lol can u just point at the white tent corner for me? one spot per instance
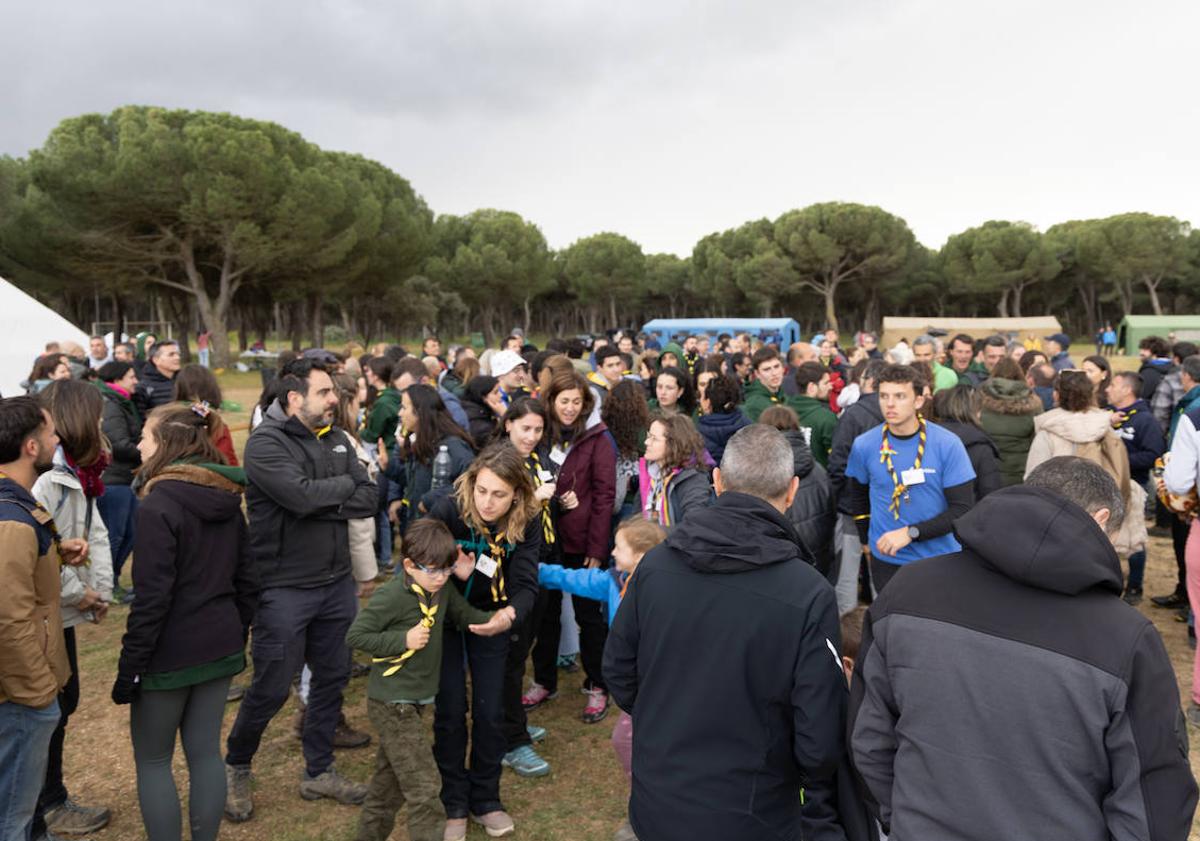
(26, 326)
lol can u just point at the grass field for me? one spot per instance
(583, 799)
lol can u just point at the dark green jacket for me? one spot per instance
(381, 630)
(816, 416)
(385, 414)
(1009, 407)
(758, 400)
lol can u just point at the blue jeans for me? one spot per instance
(294, 626)
(118, 508)
(1137, 570)
(24, 745)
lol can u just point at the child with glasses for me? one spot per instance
(401, 628)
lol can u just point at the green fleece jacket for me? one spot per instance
(759, 399)
(385, 414)
(816, 417)
(381, 630)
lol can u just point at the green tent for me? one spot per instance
(1134, 328)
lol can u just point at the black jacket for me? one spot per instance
(195, 590)
(415, 477)
(858, 418)
(123, 427)
(154, 389)
(813, 512)
(300, 492)
(481, 420)
(724, 652)
(985, 458)
(519, 564)
(1143, 439)
(1034, 702)
(717, 429)
(1153, 371)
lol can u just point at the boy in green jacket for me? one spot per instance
(401, 628)
(811, 404)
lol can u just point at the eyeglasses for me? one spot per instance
(436, 572)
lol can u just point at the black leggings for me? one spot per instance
(195, 713)
(593, 633)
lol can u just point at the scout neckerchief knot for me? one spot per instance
(1119, 417)
(547, 520)
(498, 550)
(885, 456)
(428, 616)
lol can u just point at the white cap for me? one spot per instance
(505, 361)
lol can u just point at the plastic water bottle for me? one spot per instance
(441, 468)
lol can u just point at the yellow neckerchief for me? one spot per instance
(429, 610)
(50, 524)
(323, 431)
(885, 456)
(1120, 416)
(547, 520)
(499, 551)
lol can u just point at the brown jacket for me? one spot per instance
(33, 659)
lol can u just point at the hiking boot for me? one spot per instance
(1133, 595)
(536, 695)
(333, 785)
(536, 734)
(496, 824)
(597, 706)
(525, 762)
(235, 693)
(1193, 714)
(239, 798)
(346, 736)
(69, 818)
(625, 832)
(568, 663)
(1174, 600)
(456, 830)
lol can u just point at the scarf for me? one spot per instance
(89, 477)
(652, 484)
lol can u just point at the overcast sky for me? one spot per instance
(666, 121)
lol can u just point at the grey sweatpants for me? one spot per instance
(195, 713)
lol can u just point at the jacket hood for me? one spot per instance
(292, 425)
(1157, 365)
(757, 387)
(801, 453)
(203, 489)
(675, 348)
(738, 533)
(1041, 539)
(722, 421)
(1076, 427)
(1009, 397)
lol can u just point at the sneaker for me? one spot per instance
(346, 736)
(333, 785)
(239, 799)
(1193, 714)
(536, 734)
(456, 830)
(1133, 595)
(496, 824)
(1174, 600)
(525, 762)
(568, 663)
(536, 695)
(625, 832)
(597, 706)
(235, 693)
(69, 818)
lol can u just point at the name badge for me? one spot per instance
(486, 565)
(545, 476)
(915, 476)
(558, 456)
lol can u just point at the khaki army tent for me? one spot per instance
(896, 328)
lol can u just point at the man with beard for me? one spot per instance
(304, 482)
(33, 656)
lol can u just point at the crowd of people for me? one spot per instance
(721, 512)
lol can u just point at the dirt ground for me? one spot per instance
(583, 799)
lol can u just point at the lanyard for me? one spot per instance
(499, 551)
(428, 617)
(547, 520)
(885, 456)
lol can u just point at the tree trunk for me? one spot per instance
(1087, 294)
(1016, 300)
(528, 316)
(118, 319)
(316, 323)
(612, 310)
(1151, 284)
(831, 320)
(1002, 306)
(297, 325)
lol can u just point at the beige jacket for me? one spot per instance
(363, 564)
(1063, 433)
(33, 657)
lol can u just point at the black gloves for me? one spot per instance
(124, 689)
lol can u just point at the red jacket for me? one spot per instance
(591, 472)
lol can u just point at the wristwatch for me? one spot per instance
(914, 533)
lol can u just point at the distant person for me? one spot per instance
(98, 352)
(1057, 347)
(156, 379)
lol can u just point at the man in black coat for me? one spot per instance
(304, 482)
(725, 652)
(1006, 691)
(860, 416)
(156, 380)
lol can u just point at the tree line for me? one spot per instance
(242, 225)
